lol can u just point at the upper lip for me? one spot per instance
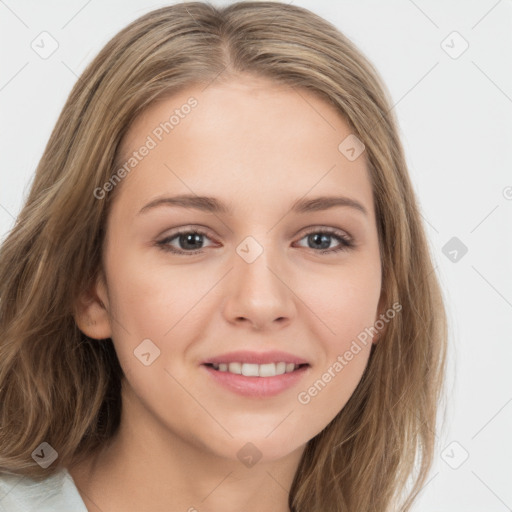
(242, 356)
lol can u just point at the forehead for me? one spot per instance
(242, 136)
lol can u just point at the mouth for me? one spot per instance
(256, 381)
(257, 370)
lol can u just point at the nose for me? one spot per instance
(259, 293)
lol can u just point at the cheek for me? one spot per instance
(343, 303)
(344, 310)
(163, 304)
(149, 300)
(330, 388)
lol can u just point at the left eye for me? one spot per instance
(321, 237)
(188, 241)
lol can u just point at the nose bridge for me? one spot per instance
(257, 264)
(258, 289)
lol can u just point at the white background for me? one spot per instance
(455, 117)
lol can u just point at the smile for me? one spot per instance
(256, 370)
(256, 380)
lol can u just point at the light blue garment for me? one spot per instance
(57, 493)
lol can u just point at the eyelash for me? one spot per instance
(345, 241)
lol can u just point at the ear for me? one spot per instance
(91, 312)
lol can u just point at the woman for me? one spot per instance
(294, 360)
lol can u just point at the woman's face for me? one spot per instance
(256, 279)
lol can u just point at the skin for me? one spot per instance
(257, 146)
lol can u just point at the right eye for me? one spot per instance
(186, 238)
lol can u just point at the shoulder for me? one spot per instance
(57, 493)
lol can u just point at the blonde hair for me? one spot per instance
(59, 386)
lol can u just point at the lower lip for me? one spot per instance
(261, 387)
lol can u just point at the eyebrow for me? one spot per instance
(213, 205)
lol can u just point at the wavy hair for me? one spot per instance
(59, 386)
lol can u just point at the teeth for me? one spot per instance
(267, 370)
(256, 370)
(281, 368)
(235, 368)
(250, 370)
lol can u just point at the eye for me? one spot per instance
(187, 239)
(321, 239)
(190, 241)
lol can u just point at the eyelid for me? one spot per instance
(306, 230)
(326, 229)
(188, 228)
